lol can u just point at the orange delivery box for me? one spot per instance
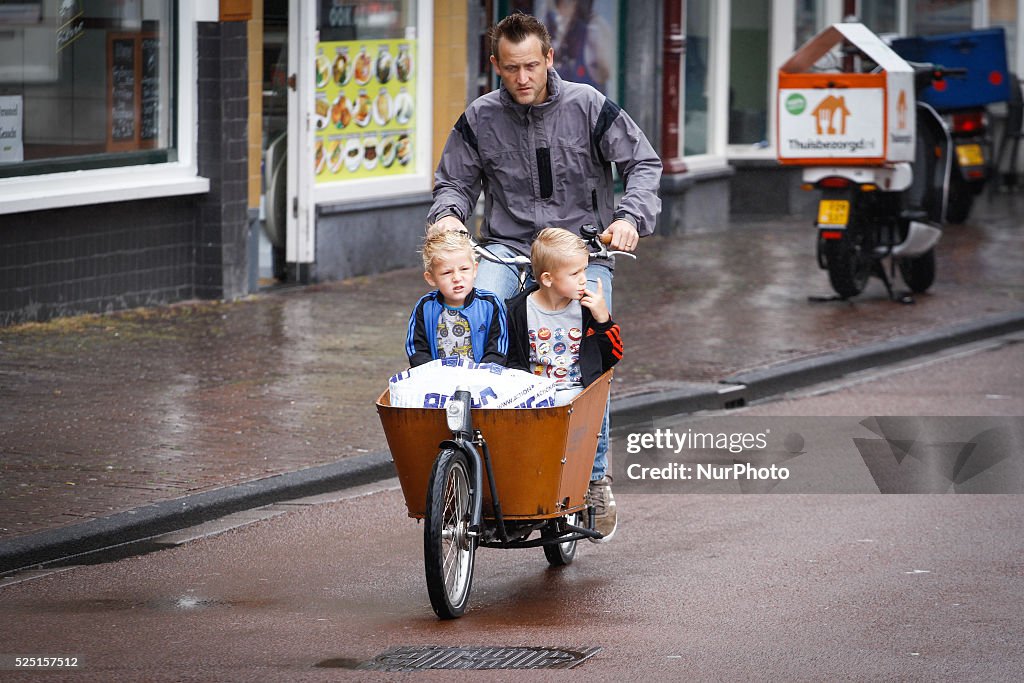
(837, 118)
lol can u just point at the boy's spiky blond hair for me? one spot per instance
(443, 241)
(552, 248)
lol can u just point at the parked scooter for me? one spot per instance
(970, 132)
(870, 217)
(962, 102)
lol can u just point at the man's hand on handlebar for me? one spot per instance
(447, 223)
(624, 236)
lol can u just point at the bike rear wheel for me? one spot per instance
(448, 548)
(561, 554)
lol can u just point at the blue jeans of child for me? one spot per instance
(504, 281)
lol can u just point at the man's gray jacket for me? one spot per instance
(547, 165)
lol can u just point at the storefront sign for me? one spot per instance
(337, 14)
(347, 19)
(365, 109)
(11, 147)
(71, 24)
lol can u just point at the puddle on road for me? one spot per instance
(338, 663)
(183, 603)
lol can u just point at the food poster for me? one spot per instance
(365, 109)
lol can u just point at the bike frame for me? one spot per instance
(471, 442)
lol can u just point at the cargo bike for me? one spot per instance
(497, 478)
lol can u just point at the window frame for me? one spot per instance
(131, 182)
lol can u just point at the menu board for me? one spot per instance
(150, 82)
(365, 109)
(133, 91)
(122, 91)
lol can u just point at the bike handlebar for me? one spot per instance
(598, 239)
(590, 234)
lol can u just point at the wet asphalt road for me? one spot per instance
(107, 414)
(694, 587)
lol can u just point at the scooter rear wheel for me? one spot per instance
(848, 267)
(961, 198)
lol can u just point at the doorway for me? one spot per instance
(274, 125)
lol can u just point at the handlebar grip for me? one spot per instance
(590, 232)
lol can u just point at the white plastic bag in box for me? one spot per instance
(431, 385)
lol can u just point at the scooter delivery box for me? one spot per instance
(982, 53)
(834, 118)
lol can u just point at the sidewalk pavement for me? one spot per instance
(123, 426)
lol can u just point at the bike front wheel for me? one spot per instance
(448, 548)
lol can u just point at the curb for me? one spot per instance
(151, 520)
(742, 388)
(736, 390)
(776, 380)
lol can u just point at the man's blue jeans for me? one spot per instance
(504, 281)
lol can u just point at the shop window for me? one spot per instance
(85, 84)
(930, 17)
(749, 76)
(367, 103)
(809, 20)
(881, 16)
(697, 71)
(1003, 13)
(583, 36)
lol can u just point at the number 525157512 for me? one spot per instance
(39, 662)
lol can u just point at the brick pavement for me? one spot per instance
(103, 414)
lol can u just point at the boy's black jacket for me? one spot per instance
(600, 348)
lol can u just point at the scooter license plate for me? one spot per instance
(833, 212)
(970, 155)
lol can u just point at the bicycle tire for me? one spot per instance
(448, 549)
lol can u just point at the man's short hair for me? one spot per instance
(552, 248)
(445, 241)
(517, 27)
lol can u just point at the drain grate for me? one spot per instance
(418, 658)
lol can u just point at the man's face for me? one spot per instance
(523, 68)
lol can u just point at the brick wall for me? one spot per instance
(94, 259)
(223, 153)
(107, 257)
